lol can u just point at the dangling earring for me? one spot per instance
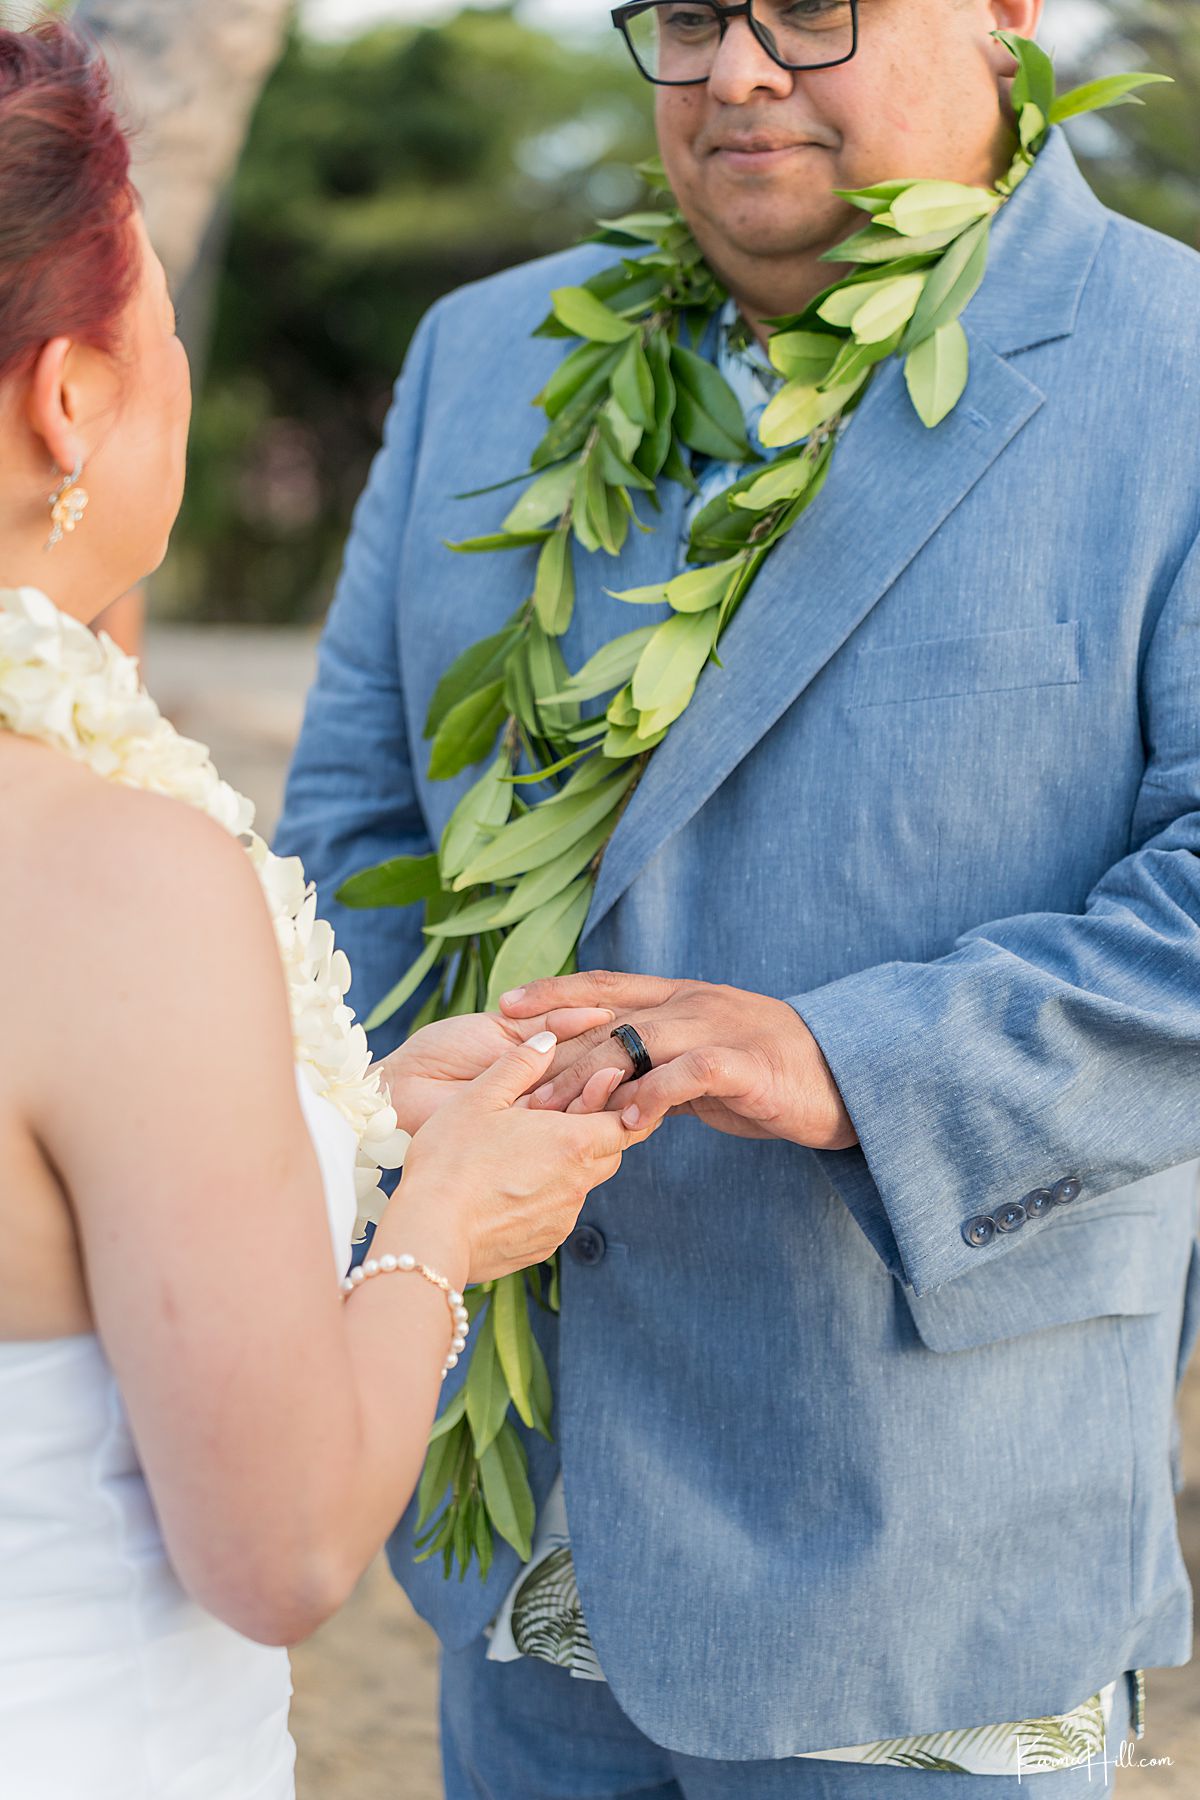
(67, 504)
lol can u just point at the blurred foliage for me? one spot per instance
(1145, 160)
(378, 175)
(381, 173)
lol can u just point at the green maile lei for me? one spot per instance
(508, 890)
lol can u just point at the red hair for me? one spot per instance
(68, 260)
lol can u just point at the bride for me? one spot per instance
(203, 1440)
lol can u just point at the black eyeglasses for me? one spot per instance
(674, 42)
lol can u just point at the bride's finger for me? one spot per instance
(598, 1090)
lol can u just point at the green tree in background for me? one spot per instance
(377, 176)
(382, 173)
(1148, 157)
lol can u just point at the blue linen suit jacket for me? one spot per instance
(834, 1473)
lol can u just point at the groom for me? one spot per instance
(865, 1374)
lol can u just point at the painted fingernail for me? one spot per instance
(542, 1040)
(542, 1094)
(512, 996)
(612, 1083)
(630, 1116)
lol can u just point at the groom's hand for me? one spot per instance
(438, 1062)
(742, 1062)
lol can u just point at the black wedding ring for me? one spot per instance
(630, 1040)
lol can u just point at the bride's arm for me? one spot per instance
(281, 1431)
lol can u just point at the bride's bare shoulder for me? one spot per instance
(93, 871)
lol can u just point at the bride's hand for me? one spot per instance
(437, 1061)
(493, 1187)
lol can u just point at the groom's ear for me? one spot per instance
(1020, 18)
(71, 388)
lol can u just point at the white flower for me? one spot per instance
(61, 684)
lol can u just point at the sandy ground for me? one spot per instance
(365, 1715)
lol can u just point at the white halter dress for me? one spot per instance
(114, 1685)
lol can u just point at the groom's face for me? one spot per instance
(755, 153)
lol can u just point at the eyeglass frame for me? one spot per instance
(621, 15)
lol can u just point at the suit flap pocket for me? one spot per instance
(1081, 1267)
(1035, 656)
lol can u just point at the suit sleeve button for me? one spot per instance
(1038, 1203)
(979, 1231)
(1068, 1189)
(1011, 1217)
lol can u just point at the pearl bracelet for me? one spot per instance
(405, 1265)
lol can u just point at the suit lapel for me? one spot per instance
(815, 588)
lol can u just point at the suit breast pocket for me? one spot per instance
(990, 662)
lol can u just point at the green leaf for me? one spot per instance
(889, 308)
(692, 592)
(479, 664)
(639, 227)
(447, 1420)
(593, 521)
(611, 666)
(797, 411)
(465, 996)
(707, 415)
(784, 480)
(544, 499)
(936, 373)
(1031, 125)
(841, 303)
(541, 1394)
(531, 777)
(586, 363)
(513, 1335)
(497, 540)
(804, 356)
(484, 1548)
(480, 813)
(440, 1460)
(882, 244)
(486, 1388)
(400, 882)
(554, 585)
(405, 988)
(633, 385)
(673, 659)
(675, 467)
(548, 673)
(538, 946)
(1111, 90)
(506, 1490)
(655, 446)
(926, 206)
(623, 743)
(586, 317)
(467, 732)
(541, 884)
(619, 440)
(1035, 80)
(480, 915)
(571, 426)
(872, 199)
(541, 835)
(951, 285)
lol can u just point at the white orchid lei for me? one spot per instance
(67, 687)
